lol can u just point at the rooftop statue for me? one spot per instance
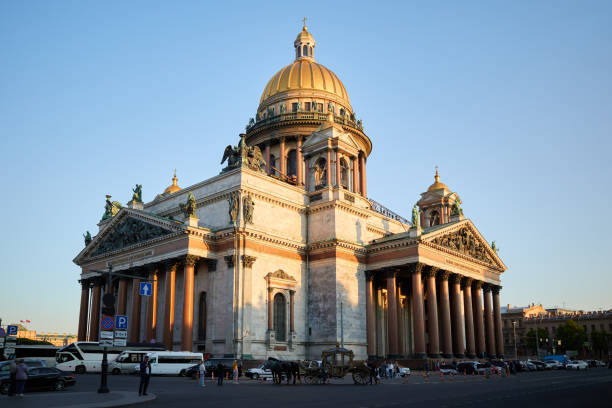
(189, 208)
(87, 237)
(137, 196)
(243, 155)
(110, 208)
(456, 209)
(494, 247)
(416, 220)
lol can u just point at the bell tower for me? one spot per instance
(304, 44)
(438, 204)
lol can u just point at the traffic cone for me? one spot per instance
(465, 376)
(212, 375)
(426, 377)
(451, 377)
(441, 377)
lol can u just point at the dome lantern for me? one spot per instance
(304, 44)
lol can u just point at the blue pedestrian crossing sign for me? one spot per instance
(146, 288)
(121, 322)
(12, 330)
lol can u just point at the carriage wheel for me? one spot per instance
(309, 379)
(360, 378)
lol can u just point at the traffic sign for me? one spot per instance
(146, 288)
(2, 332)
(8, 351)
(105, 343)
(121, 322)
(1, 342)
(108, 323)
(119, 342)
(106, 334)
(12, 330)
(120, 334)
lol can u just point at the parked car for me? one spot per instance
(540, 365)
(595, 363)
(42, 378)
(553, 364)
(447, 369)
(467, 367)
(577, 365)
(228, 363)
(404, 371)
(5, 366)
(259, 372)
(501, 365)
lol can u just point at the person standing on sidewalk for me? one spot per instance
(13, 371)
(235, 372)
(202, 373)
(220, 372)
(145, 376)
(21, 375)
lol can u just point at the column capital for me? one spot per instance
(369, 275)
(291, 292)
(248, 260)
(466, 282)
(477, 284)
(443, 275)
(486, 287)
(390, 273)
(171, 263)
(456, 278)
(495, 289)
(191, 260)
(417, 267)
(270, 289)
(431, 271)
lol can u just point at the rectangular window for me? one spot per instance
(319, 107)
(307, 106)
(294, 106)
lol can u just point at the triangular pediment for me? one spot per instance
(128, 228)
(462, 238)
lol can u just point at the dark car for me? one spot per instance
(540, 365)
(467, 367)
(228, 364)
(5, 366)
(42, 378)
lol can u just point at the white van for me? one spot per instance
(124, 363)
(171, 362)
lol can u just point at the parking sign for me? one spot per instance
(12, 330)
(121, 322)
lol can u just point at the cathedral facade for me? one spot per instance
(283, 254)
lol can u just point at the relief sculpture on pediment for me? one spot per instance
(464, 241)
(129, 232)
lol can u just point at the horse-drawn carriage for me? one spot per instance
(336, 362)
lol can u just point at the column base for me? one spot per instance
(433, 355)
(470, 355)
(459, 355)
(491, 356)
(372, 357)
(500, 356)
(447, 355)
(420, 355)
(394, 356)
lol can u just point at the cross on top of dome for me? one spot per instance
(304, 44)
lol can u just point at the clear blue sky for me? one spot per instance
(513, 100)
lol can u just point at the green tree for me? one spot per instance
(530, 339)
(572, 336)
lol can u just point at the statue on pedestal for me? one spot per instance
(87, 237)
(416, 219)
(189, 208)
(137, 196)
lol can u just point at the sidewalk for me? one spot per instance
(76, 399)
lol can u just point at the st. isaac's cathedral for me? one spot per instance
(283, 254)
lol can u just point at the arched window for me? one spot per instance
(280, 317)
(202, 317)
(310, 52)
(292, 163)
(305, 51)
(344, 173)
(434, 219)
(320, 172)
(299, 52)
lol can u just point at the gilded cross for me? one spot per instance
(304, 20)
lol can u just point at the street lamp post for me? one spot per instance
(514, 323)
(103, 374)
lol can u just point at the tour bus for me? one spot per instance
(38, 352)
(124, 363)
(83, 356)
(171, 362)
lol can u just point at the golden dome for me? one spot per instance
(305, 36)
(304, 74)
(437, 185)
(174, 187)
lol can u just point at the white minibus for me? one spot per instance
(171, 362)
(84, 356)
(124, 363)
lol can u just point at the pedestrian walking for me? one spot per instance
(390, 370)
(202, 369)
(235, 372)
(220, 370)
(145, 376)
(13, 372)
(21, 375)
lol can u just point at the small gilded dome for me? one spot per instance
(305, 36)
(174, 187)
(437, 185)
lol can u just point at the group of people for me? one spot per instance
(18, 377)
(382, 369)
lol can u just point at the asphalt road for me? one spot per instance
(539, 389)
